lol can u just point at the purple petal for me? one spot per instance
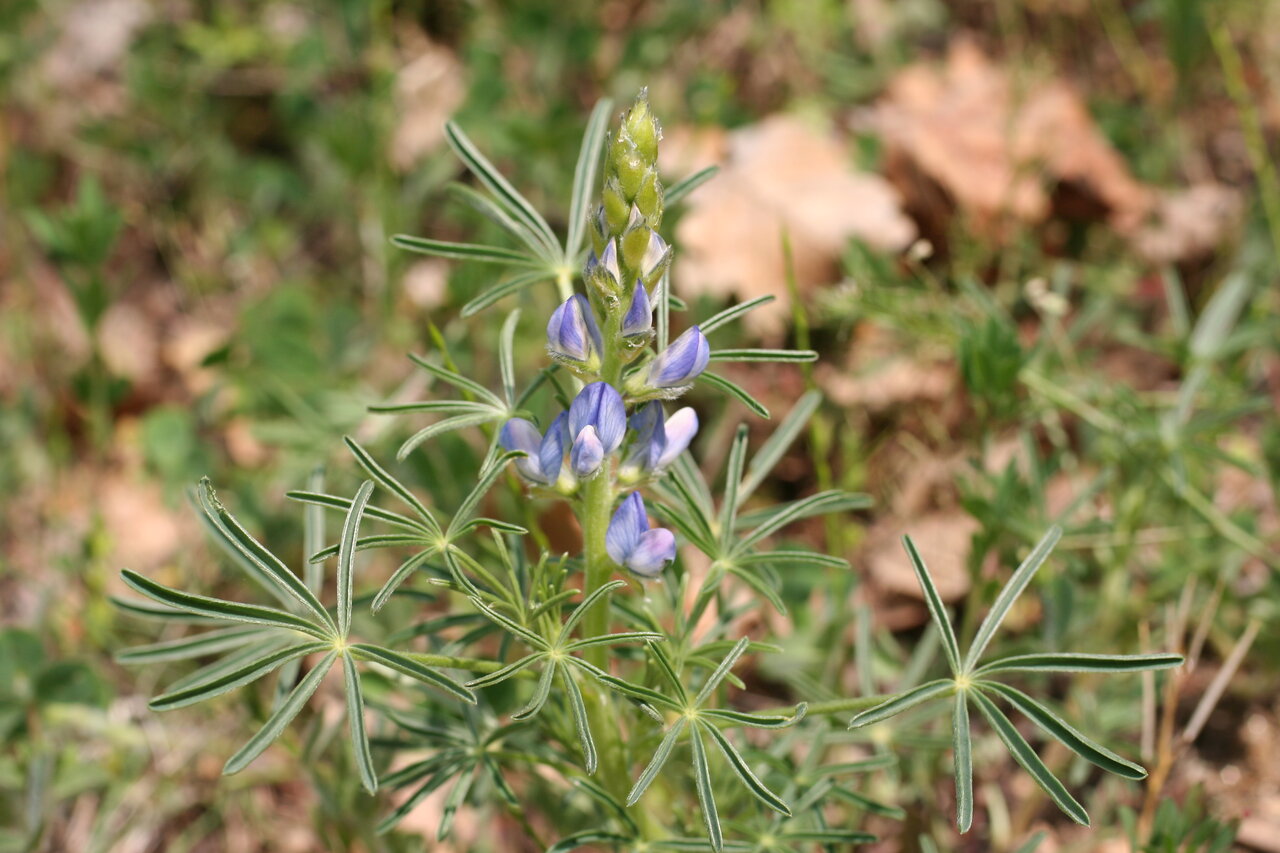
(653, 254)
(572, 330)
(639, 318)
(587, 452)
(519, 434)
(680, 429)
(551, 451)
(656, 548)
(609, 260)
(601, 406)
(628, 524)
(649, 436)
(684, 359)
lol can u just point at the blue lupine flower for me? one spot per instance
(545, 453)
(639, 317)
(657, 440)
(587, 452)
(633, 544)
(681, 362)
(656, 256)
(603, 271)
(572, 332)
(597, 422)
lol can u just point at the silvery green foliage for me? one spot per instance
(597, 668)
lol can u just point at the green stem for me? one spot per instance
(833, 706)
(451, 662)
(564, 283)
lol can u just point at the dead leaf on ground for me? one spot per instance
(994, 149)
(944, 540)
(780, 176)
(1003, 148)
(1189, 223)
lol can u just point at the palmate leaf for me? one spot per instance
(972, 683)
(683, 187)
(701, 721)
(736, 391)
(269, 638)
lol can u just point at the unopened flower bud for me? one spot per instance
(573, 334)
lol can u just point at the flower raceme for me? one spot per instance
(632, 544)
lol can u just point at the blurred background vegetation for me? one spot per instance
(1035, 243)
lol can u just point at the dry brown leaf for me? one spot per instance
(1189, 223)
(943, 540)
(428, 89)
(996, 150)
(781, 175)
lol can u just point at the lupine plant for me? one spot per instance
(591, 695)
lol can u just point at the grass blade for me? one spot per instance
(902, 701)
(464, 251)
(391, 484)
(494, 213)
(581, 722)
(773, 355)
(683, 187)
(706, 794)
(660, 756)
(441, 427)
(732, 481)
(509, 198)
(467, 509)
(776, 445)
(401, 574)
(347, 555)
(1076, 662)
(583, 606)
(225, 682)
(733, 312)
(284, 715)
(267, 564)
(1062, 731)
(191, 646)
(501, 675)
(1017, 583)
(313, 533)
(541, 691)
(336, 502)
(937, 609)
(584, 176)
(963, 743)
(503, 289)
(736, 391)
(355, 717)
(217, 608)
(1026, 756)
(713, 680)
(457, 380)
(739, 764)
(506, 357)
(410, 667)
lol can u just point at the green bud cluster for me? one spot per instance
(632, 203)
